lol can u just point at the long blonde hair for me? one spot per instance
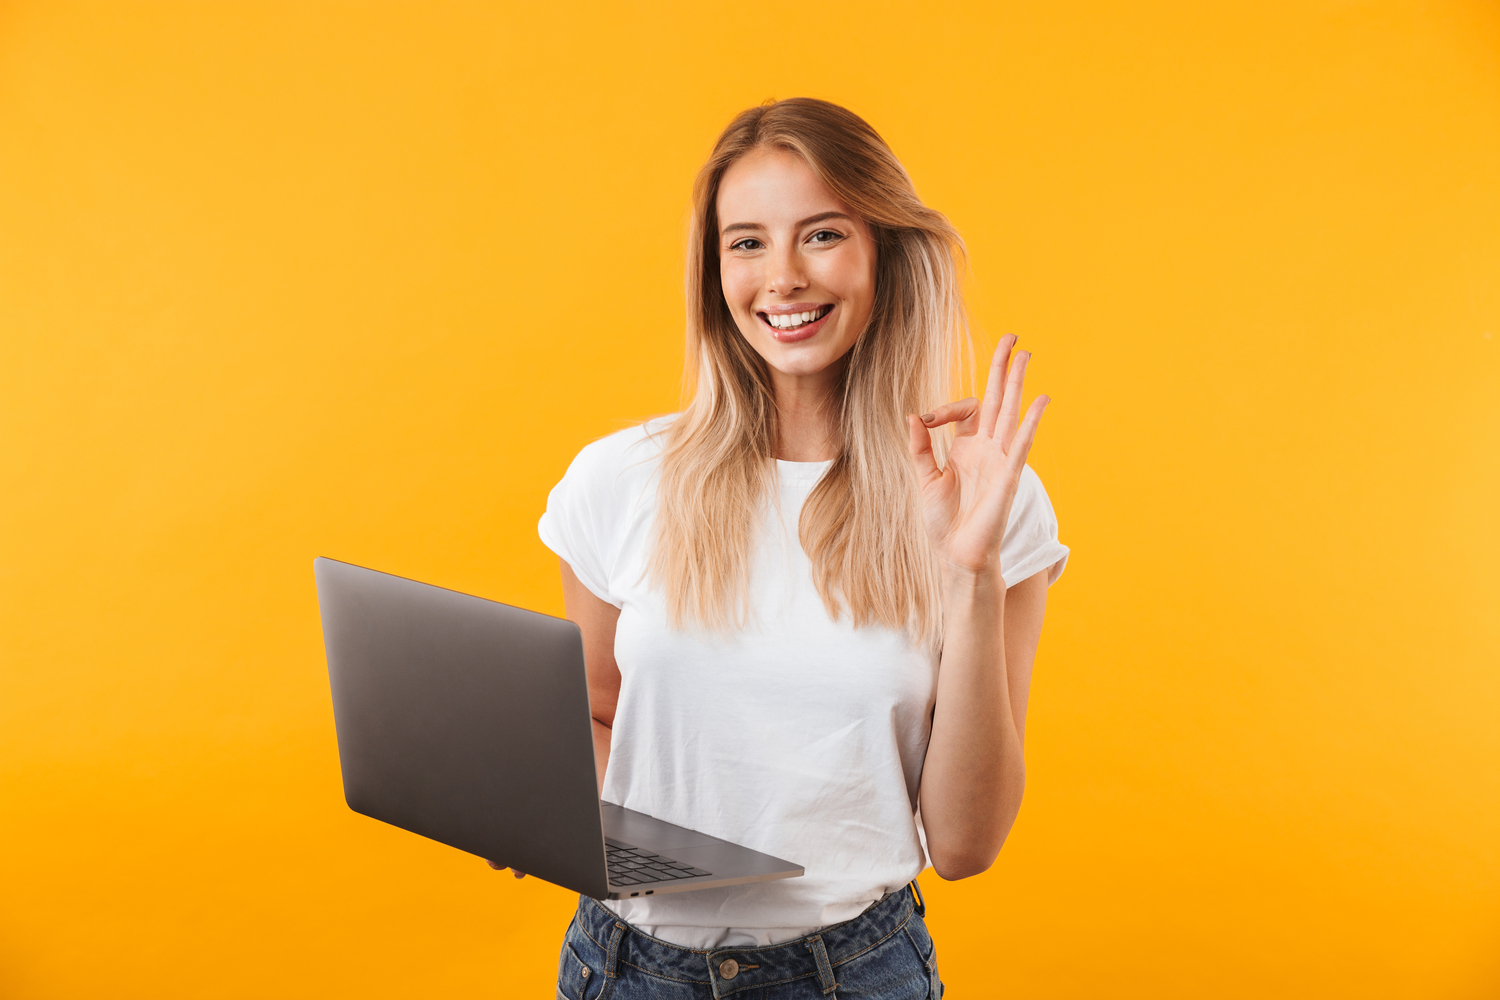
(861, 527)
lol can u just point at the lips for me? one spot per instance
(789, 325)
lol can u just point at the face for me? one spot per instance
(797, 266)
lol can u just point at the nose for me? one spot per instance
(786, 274)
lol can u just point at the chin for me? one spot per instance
(786, 359)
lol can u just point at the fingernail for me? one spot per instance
(928, 418)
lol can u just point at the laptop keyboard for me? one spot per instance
(633, 866)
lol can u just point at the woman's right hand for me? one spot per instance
(501, 868)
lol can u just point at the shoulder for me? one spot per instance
(1031, 538)
(1031, 496)
(626, 457)
(592, 513)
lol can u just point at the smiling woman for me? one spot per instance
(804, 616)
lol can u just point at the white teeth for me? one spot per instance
(785, 321)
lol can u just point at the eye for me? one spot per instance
(825, 236)
(748, 243)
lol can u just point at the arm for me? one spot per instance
(596, 620)
(974, 771)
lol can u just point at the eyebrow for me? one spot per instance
(820, 217)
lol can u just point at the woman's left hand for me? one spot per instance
(966, 504)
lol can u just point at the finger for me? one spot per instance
(517, 874)
(920, 443)
(498, 868)
(994, 385)
(994, 502)
(964, 413)
(1010, 408)
(1020, 445)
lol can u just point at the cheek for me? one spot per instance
(738, 283)
(853, 280)
(862, 304)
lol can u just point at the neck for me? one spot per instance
(807, 417)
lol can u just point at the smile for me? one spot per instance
(795, 325)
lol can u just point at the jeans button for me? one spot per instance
(585, 972)
(729, 968)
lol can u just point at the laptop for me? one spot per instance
(467, 721)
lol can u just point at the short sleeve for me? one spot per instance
(1030, 543)
(588, 512)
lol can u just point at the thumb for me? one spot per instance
(920, 443)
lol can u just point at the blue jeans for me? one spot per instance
(885, 953)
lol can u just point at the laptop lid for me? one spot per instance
(464, 720)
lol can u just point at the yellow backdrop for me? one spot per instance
(281, 280)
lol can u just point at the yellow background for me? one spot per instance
(281, 280)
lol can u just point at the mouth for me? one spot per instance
(790, 326)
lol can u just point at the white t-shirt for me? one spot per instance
(799, 736)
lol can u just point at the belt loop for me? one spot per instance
(921, 903)
(825, 969)
(613, 955)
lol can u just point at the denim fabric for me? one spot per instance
(885, 953)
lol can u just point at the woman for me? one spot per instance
(804, 614)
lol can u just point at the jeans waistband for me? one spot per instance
(732, 970)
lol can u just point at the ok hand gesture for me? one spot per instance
(966, 504)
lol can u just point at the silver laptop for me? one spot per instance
(467, 721)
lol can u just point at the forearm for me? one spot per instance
(974, 772)
(601, 751)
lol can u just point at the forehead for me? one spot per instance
(772, 186)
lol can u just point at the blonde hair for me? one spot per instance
(861, 527)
